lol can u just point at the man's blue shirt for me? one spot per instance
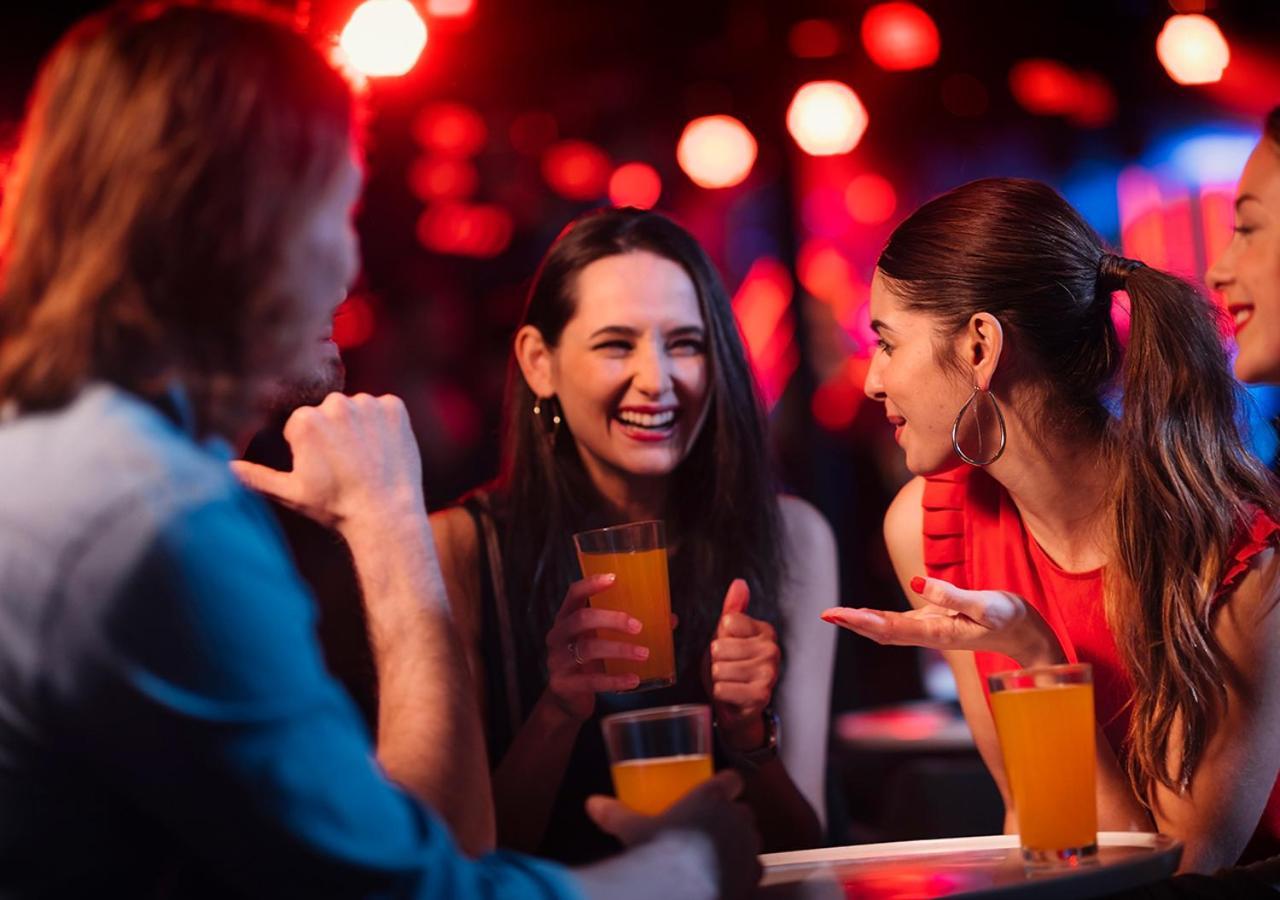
(162, 693)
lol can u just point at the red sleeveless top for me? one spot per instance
(975, 539)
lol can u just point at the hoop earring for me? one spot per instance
(554, 428)
(955, 429)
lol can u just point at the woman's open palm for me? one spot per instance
(956, 619)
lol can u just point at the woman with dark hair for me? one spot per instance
(1104, 510)
(630, 398)
(1248, 270)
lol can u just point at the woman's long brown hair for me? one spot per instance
(1163, 415)
(167, 152)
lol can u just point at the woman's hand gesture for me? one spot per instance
(575, 654)
(744, 669)
(956, 619)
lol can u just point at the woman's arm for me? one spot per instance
(1118, 808)
(904, 536)
(528, 777)
(1220, 811)
(744, 671)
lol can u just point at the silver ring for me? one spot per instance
(573, 651)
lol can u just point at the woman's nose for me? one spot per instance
(653, 371)
(873, 387)
(1219, 274)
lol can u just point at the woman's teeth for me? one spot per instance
(1242, 315)
(647, 420)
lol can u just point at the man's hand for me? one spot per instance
(707, 810)
(354, 460)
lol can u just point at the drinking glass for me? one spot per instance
(658, 755)
(637, 555)
(1044, 719)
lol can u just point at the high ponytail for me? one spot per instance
(1186, 485)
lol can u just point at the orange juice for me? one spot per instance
(649, 786)
(1047, 737)
(642, 591)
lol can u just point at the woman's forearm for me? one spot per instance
(529, 776)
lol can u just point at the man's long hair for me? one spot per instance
(168, 151)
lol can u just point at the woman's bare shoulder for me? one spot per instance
(458, 549)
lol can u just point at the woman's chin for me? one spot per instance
(1251, 370)
(931, 464)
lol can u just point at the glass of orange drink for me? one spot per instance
(658, 755)
(1044, 719)
(637, 555)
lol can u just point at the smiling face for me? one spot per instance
(631, 370)
(921, 397)
(1248, 271)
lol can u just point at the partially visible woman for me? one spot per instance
(1248, 272)
(1107, 510)
(630, 398)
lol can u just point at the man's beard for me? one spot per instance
(306, 390)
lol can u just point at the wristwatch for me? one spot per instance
(750, 760)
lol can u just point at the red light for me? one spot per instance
(1050, 88)
(870, 199)
(814, 39)
(576, 170)
(900, 36)
(353, 322)
(450, 128)
(442, 178)
(1192, 49)
(829, 277)
(462, 229)
(383, 38)
(1043, 86)
(635, 184)
(826, 118)
(450, 9)
(716, 151)
(835, 403)
(761, 307)
(1095, 104)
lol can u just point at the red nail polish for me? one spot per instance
(917, 584)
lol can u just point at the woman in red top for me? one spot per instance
(1104, 508)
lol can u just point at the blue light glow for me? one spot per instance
(1204, 155)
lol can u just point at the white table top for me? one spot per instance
(976, 867)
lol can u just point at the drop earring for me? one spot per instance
(974, 402)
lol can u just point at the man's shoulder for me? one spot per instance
(105, 450)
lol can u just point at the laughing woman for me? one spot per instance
(1247, 273)
(1105, 509)
(630, 398)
